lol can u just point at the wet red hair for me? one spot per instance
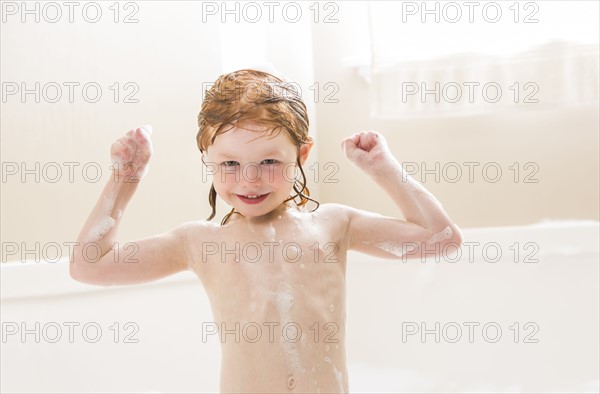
(259, 97)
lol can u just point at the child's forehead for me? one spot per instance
(259, 140)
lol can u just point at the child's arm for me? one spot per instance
(427, 225)
(98, 258)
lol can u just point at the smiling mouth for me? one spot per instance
(252, 198)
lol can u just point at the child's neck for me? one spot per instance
(274, 215)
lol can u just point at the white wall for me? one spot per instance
(170, 54)
(563, 143)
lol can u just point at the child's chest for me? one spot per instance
(275, 252)
(306, 258)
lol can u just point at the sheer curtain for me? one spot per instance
(467, 58)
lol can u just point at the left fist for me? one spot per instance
(368, 150)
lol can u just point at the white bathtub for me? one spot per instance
(551, 304)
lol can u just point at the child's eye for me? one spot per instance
(270, 161)
(229, 163)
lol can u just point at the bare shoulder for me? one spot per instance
(197, 230)
(335, 211)
(195, 235)
(346, 215)
(336, 215)
(198, 225)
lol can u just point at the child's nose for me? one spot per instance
(252, 173)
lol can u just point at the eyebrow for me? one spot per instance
(269, 153)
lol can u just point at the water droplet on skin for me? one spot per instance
(279, 217)
(301, 265)
(301, 285)
(327, 359)
(331, 308)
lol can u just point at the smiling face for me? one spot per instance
(254, 170)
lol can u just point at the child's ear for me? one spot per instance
(305, 150)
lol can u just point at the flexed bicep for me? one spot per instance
(134, 262)
(393, 238)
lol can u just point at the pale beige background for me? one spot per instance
(169, 54)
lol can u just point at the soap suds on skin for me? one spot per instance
(394, 248)
(105, 224)
(441, 236)
(400, 249)
(147, 129)
(100, 229)
(284, 301)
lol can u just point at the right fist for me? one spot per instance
(131, 154)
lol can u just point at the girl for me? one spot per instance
(273, 269)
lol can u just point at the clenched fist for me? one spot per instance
(131, 154)
(368, 150)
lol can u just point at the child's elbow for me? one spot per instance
(79, 273)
